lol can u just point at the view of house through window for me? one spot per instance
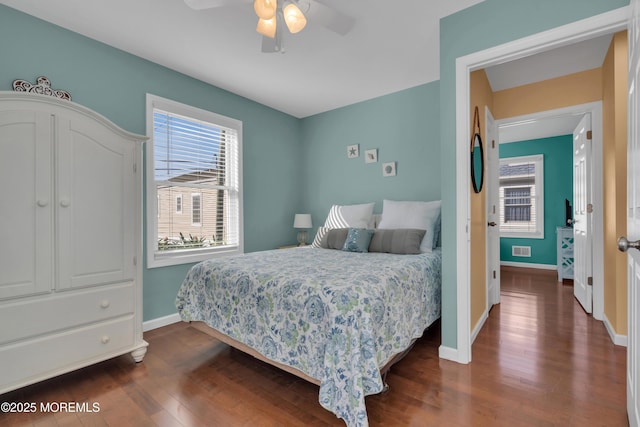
(196, 176)
(521, 197)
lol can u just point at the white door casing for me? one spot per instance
(493, 210)
(633, 221)
(582, 209)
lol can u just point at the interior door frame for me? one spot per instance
(606, 23)
(597, 241)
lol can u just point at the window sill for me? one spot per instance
(522, 235)
(157, 259)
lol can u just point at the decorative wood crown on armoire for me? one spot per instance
(70, 239)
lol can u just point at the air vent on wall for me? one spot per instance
(521, 251)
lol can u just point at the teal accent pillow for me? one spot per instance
(358, 240)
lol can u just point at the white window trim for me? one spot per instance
(195, 255)
(538, 159)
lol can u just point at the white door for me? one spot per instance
(493, 210)
(633, 223)
(582, 208)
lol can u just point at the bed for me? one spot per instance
(337, 318)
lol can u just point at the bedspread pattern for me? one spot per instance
(336, 316)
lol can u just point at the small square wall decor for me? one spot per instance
(389, 169)
(353, 151)
(371, 156)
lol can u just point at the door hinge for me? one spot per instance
(135, 167)
(494, 274)
(494, 209)
(493, 143)
(589, 208)
(590, 281)
(589, 134)
(135, 260)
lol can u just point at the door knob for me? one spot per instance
(491, 224)
(624, 245)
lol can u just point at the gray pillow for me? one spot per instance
(397, 241)
(334, 238)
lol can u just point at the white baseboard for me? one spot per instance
(617, 339)
(449, 353)
(160, 322)
(529, 265)
(479, 326)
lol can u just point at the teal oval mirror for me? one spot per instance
(477, 163)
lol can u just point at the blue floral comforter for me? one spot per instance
(336, 316)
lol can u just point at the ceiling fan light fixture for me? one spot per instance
(265, 9)
(267, 27)
(294, 18)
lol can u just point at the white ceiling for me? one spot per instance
(392, 46)
(581, 56)
(321, 70)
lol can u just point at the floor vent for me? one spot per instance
(521, 251)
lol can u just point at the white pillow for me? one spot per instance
(419, 215)
(350, 216)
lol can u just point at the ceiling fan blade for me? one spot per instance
(330, 18)
(207, 4)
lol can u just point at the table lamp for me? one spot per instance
(303, 222)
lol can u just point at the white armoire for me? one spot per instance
(70, 239)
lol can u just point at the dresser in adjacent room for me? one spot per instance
(564, 252)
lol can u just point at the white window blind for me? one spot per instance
(521, 197)
(197, 155)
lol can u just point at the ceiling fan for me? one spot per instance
(273, 15)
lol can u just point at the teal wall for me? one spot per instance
(403, 126)
(114, 83)
(290, 165)
(558, 185)
(485, 25)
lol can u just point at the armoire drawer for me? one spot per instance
(30, 361)
(38, 316)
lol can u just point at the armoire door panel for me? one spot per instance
(95, 176)
(25, 209)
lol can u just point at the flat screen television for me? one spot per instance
(568, 213)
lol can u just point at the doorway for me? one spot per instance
(565, 120)
(562, 36)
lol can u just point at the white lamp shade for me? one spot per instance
(302, 221)
(294, 18)
(265, 9)
(267, 27)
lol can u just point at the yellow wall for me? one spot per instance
(614, 129)
(574, 89)
(607, 84)
(481, 96)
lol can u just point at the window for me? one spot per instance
(196, 152)
(179, 203)
(521, 197)
(196, 209)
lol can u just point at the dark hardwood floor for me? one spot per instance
(538, 361)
